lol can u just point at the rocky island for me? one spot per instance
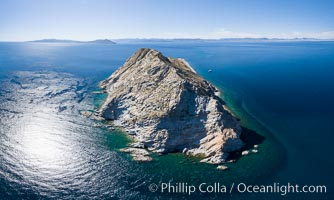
(165, 106)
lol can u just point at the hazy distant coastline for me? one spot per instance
(177, 40)
(99, 41)
(185, 40)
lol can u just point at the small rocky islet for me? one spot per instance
(166, 107)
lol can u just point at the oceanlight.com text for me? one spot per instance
(281, 189)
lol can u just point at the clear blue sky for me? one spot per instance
(91, 19)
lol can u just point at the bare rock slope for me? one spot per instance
(167, 107)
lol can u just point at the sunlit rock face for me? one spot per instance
(167, 107)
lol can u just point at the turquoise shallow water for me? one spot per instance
(280, 90)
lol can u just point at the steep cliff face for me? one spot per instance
(167, 107)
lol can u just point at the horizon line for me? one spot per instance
(181, 38)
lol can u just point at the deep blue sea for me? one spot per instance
(283, 91)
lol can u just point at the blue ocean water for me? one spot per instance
(281, 90)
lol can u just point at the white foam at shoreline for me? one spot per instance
(188, 65)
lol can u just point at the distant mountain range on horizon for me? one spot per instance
(140, 40)
(99, 41)
(134, 40)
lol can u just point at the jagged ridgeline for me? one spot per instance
(167, 107)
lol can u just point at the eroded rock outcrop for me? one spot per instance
(167, 107)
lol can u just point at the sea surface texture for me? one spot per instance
(284, 91)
